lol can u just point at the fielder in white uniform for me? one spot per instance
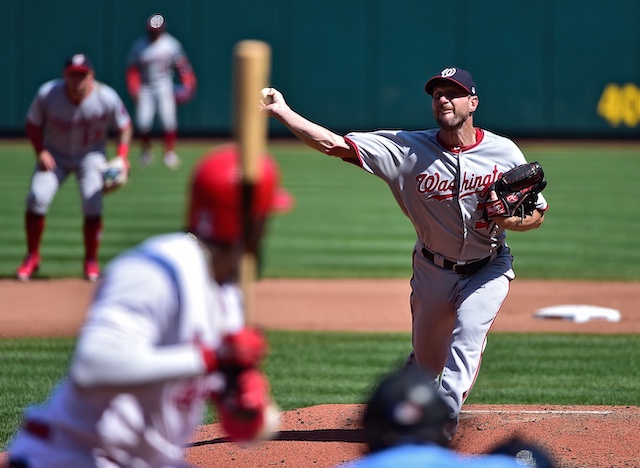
(68, 124)
(151, 65)
(164, 336)
(440, 179)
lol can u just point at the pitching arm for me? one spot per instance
(310, 133)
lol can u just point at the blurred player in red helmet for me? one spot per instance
(164, 336)
(214, 208)
(214, 213)
(152, 62)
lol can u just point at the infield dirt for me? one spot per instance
(328, 435)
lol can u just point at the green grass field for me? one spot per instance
(345, 224)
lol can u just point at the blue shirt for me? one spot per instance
(432, 456)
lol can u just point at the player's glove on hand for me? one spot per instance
(115, 174)
(243, 403)
(516, 191)
(244, 406)
(244, 349)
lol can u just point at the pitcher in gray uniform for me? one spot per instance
(68, 124)
(152, 62)
(441, 179)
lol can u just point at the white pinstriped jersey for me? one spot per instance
(442, 190)
(73, 130)
(137, 388)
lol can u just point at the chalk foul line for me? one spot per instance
(496, 411)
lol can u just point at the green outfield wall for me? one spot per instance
(549, 68)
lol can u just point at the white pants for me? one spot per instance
(157, 98)
(88, 170)
(451, 317)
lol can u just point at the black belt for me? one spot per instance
(464, 269)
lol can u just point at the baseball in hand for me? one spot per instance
(265, 96)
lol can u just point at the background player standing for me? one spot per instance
(150, 81)
(164, 336)
(441, 179)
(68, 124)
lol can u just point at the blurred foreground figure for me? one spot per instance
(405, 425)
(164, 336)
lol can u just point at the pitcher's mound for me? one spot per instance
(328, 435)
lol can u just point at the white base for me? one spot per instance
(578, 313)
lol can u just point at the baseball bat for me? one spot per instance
(252, 61)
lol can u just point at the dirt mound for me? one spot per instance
(328, 435)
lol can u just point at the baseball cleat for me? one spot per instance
(146, 157)
(91, 270)
(411, 360)
(450, 428)
(171, 160)
(28, 267)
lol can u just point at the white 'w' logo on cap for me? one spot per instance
(448, 72)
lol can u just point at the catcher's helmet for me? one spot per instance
(215, 211)
(405, 408)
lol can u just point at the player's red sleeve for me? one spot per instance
(187, 79)
(186, 74)
(133, 80)
(35, 135)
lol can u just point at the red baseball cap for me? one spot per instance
(214, 211)
(78, 63)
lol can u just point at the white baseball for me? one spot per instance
(265, 95)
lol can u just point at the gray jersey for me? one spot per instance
(76, 129)
(442, 190)
(156, 60)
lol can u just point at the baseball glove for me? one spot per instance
(517, 191)
(115, 174)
